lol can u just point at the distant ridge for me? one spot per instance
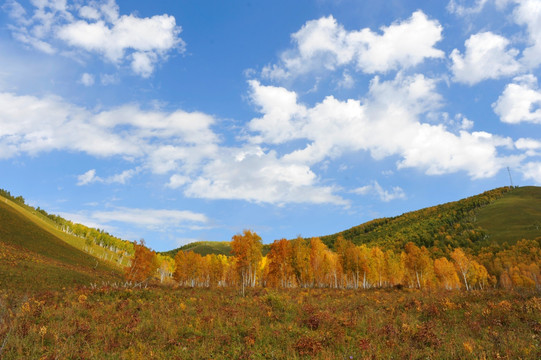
(500, 215)
(208, 247)
(203, 248)
(505, 214)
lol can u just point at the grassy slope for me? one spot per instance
(515, 216)
(33, 257)
(50, 226)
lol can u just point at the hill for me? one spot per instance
(502, 215)
(517, 215)
(493, 217)
(35, 256)
(203, 248)
(209, 247)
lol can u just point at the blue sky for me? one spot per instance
(178, 121)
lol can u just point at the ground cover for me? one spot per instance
(111, 322)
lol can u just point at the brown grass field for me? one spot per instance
(109, 322)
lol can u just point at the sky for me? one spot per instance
(177, 121)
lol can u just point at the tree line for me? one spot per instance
(98, 237)
(309, 263)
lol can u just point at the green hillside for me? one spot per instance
(34, 257)
(209, 247)
(495, 216)
(515, 216)
(203, 248)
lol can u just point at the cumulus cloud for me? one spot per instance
(386, 123)
(520, 101)
(254, 175)
(33, 125)
(486, 57)
(178, 143)
(98, 28)
(385, 195)
(323, 45)
(528, 13)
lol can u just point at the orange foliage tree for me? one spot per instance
(143, 265)
(280, 273)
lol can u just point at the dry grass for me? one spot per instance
(167, 323)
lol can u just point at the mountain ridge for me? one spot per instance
(472, 222)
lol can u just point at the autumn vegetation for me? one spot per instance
(310, 264)
(439, 286)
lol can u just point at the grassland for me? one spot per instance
(167, 323)
(34, 259)
(515, 215)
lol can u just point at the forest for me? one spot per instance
(302, 263)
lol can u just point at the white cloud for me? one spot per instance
(385, 195)
(121, 178)
(143, 63)
(151, 218)
(486, 57)
(532, 171)
(278, 106)
(386, 123)
(528, 13)
(254, 175)
(324, 45)
(347, 81)
(457, 8)
(520, 101)
(98, 28)
(176, 181)
(466, 124)
(87, 79)
(178, 142)
(87, 178)
(530, 147)
(33, 125)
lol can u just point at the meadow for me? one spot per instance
(115, 322)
